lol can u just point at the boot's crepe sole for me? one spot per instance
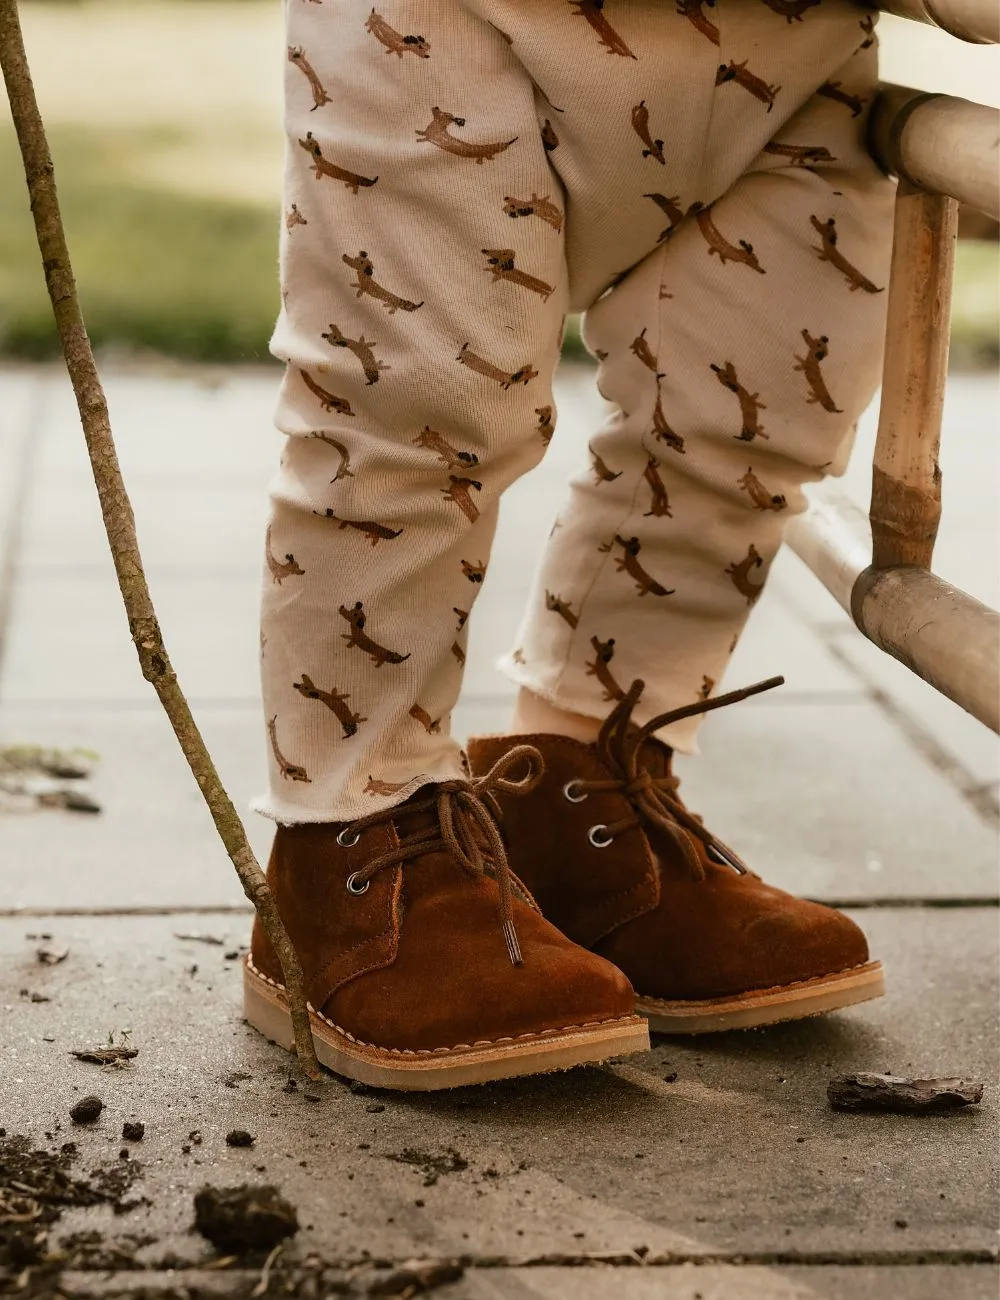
(266, 1008)
(765, 1006)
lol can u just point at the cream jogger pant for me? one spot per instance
(460, 174)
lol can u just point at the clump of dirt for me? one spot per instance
(433, 1164)
(239, 1137)
(238, 1220)
(86, 1110)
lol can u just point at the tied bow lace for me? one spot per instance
(654, 799)
(467, 814)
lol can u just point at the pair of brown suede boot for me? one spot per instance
(546, 912)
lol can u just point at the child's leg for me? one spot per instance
(742, 352)
(421, 326)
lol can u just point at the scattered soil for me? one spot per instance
(433, 1164)
(238, 1220)
(133, 1130)
(86, 1110)
(239, 1137)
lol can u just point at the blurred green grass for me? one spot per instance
(195, 277)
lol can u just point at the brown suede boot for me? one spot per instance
(621, 866)
(427, 964)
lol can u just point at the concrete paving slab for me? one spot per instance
(18, 407)
(612, 1159)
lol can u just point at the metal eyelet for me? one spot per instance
(604, 841)
(352, 888)
(343, 838)
(568, 789)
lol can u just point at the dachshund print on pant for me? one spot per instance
(289, 771)
(374, 532)
(640, 349)
(395, 42)
(675, 214)
(377, 787)
(603, 654)
(463, 617)
(542, 208)
(459, 653)
(750, 403)
(501, 262)
(459, 493)
(694, 12)
(740, 574)
(791, 9)
(344, 470)
(328, 401)
(431, 725)
(757, 87)
(450, 458)
(832, 90)
(279, 570)
(437, 134)
(474, 572)
(550, 140)
(662, 429)
(727, 252)
(365, 272)
(867, 25)
(660, 506)
(601, 472)
(707, 686)
(759, 494)
(800, 155)
(546, 427)
(628, 563)
(503, 377)
(294, 218)
(592, 11)
(556, 605)
(323, 167)
(640, 124)
(358, 637)
(297, 57)
(809, 365)
(829, 252)
(362, 349)
(334, 701)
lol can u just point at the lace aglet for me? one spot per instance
(513, 947)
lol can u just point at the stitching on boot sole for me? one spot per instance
(444, 1051)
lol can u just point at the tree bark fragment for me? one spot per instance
(905, 1096)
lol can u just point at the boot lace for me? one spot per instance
(467, 815)
(654, 799)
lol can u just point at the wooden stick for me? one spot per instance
(118, 518)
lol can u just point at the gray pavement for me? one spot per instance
(854, 783)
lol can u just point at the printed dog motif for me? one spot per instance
(762, 498)
(463, 616)
(436, 133)
(592, 11)
(707, 686)
(693, 11)
(375, 786)
(670, 206)
(600, 471)
(374, 532)
(756, 86)
(546, 425)
(640, 124)
(740, 574)
(290, 771)
(503, 377)
(628, 563)
(474, 572)
(323, 167)
(792, 10)
(459, 653)
(296, 56)
(660, 505)
(362, 349)
(294, 218)
(431, 725)
(534, 207)
(750, 403)
(800, 155)
(358, 637)
(344, 469)
(550, 140)
(501, 263)
(818, 351)
(640, 349)
(395, 42)
(334, 701)
(603, 654)
(451, 459)
(279, 570)
(459, 493)
(717, 243)
(662, 429)
(829, 252)
(867, 25)
(556, 605)
(328, 401)
(832, 90)
(365, 272)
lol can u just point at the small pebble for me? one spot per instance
(86, 1110)
(133, 1130)
(239, 1137)
(375, 1109)
(671, 1077)
(901, 1223)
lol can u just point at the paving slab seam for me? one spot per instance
(25, 458)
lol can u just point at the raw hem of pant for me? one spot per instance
(515, 672)
(296, 815)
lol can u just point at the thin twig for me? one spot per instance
(118, 518)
